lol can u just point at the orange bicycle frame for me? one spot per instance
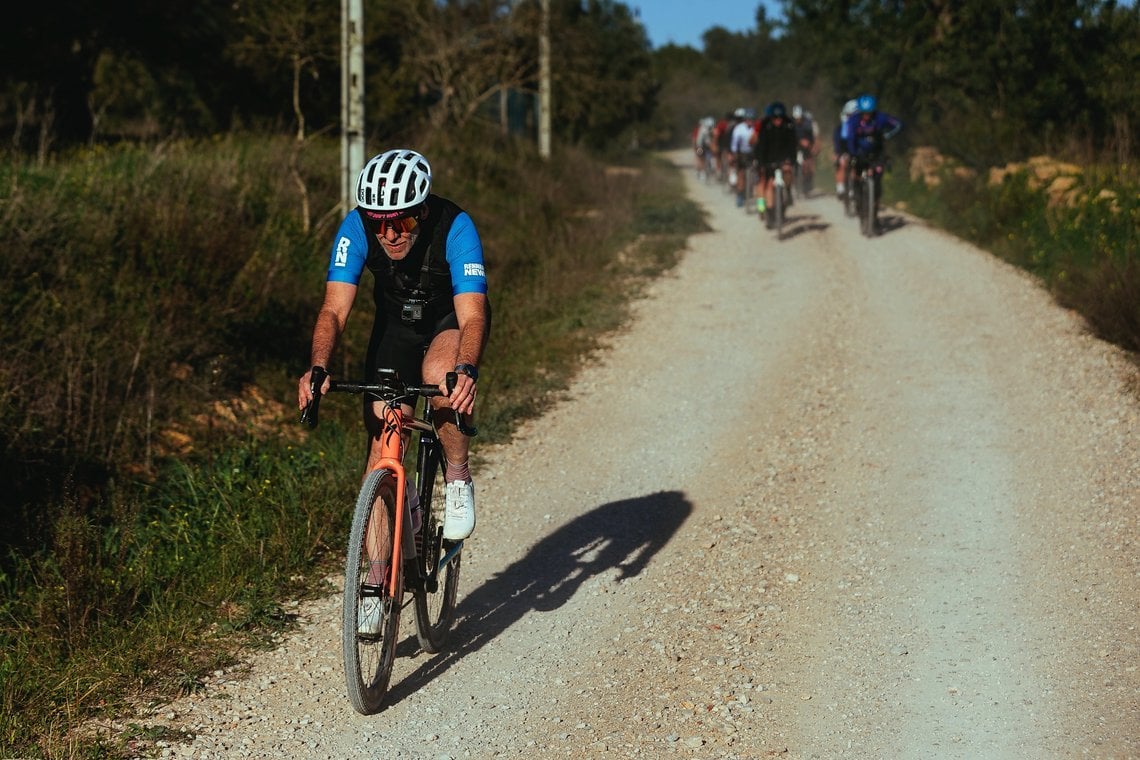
(395, 422)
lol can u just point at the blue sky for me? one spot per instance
(682, 22)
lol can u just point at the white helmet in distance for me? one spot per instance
(395, 180)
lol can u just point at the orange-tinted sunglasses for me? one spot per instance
(403, 225)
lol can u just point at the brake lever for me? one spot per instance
(316, 380)
(450, 379)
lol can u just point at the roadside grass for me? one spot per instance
(1084, 244)
(166, 506)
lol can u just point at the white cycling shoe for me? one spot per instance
(459, 512)
(368, 616)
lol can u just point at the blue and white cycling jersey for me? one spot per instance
(464, 253)
(866, 133)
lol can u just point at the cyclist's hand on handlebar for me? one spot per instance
(305, 388)
(462, 397)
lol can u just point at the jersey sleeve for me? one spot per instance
(465, 257)
(349, 251)
(890, 126)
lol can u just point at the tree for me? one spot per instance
(603, 81)
(1115, 45)
(465, 53)
(989, 80)
(298, 36)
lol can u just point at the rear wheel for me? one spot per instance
(435, 601)
(371, 613)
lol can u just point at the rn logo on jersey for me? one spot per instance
(341, 258)
(473, 270)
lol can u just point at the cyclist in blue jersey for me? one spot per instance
(432, 312)
(867, 131)
(869, 128)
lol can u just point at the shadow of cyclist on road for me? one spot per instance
(799, 224)
(620, 536)
(890, 223)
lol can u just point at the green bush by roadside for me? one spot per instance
(163, 499)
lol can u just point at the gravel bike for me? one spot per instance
(389, 555)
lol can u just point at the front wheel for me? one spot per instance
(371, 613)
(435, 600)
(778, 197)
(869, 205)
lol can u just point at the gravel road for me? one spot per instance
(824, 497)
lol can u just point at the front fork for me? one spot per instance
(392, 447)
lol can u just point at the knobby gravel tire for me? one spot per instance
(368, 658)
(780, 212)
(869, 206)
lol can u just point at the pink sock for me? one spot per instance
(458, 472)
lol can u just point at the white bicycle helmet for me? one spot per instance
(396, 180)
(849, 108)
(797, 111)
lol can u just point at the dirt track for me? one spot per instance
(827, 497)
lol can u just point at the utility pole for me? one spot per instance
(351, 98)
(544, 82)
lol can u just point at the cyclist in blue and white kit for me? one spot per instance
(432, 312)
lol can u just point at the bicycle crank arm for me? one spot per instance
(454, 550)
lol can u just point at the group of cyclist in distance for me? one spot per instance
(740, 145)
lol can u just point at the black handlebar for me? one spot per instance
(389, 389)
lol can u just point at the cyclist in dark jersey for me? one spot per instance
(807, 140)
(432, 313)
(775, 146)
